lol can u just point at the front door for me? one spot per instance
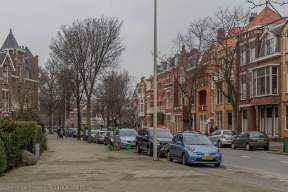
(269, 120)
(179, 147)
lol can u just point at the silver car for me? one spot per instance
(99, 136)
(222, 137)
(127, 136)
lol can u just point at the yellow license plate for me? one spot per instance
(261, 141)
(132, 144)
(207, 158)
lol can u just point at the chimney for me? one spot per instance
(193, 51)
(183, 47)
(220, 34)
(252, 17)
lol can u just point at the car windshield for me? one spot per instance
(94, 132)
(128, 133)
(111, 133)
(259, 134)
(197, 140)
(229, 133)
(103, 133)
(162, 134)
(104, 129)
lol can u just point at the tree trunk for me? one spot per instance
(78, 115)
(50, 124)
(235, 127)
(89, 118)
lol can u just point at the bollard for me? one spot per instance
(37, 150)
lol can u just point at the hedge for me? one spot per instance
(12, 148)
(27, 134)
(3, 160)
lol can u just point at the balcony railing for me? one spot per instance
(160, 109)
(202, 107)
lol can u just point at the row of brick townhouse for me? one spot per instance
(261, 80)
(18, 77)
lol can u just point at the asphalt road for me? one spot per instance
(256, 161)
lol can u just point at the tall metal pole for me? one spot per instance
(65, 116)
(155, 86)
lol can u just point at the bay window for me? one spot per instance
(265, 81)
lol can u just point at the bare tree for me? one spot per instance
(93, 45)
(190, 71)
(228, 24)
(49, 88)
(266, 3)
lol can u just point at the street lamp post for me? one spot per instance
(155, 86)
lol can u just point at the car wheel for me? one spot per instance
(149, 151)
(184, 159)
(248, 147)
(105, 143)
(169, 158)
(219, 144)
(217, 165)
(138, 149)
(233, 146)
(266, 148)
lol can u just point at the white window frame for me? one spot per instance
(286, 116)
(269, 50)
(219, 97)
(168, 99)
(212, 80)
(5, 73)
(212, 104)
(252, 50)
(243, 87)
(168, 120)
(219, 118)
(266, 77)
(5, 100)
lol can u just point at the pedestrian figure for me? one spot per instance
(211, 129)
(216, 128)
(206, 133)
(58, 132)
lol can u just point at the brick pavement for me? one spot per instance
(71, 165)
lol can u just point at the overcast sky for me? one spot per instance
(35, 22)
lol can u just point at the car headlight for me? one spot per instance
(190, 148)
(217, 149)
(124, 141)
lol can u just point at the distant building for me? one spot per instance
(18, 77)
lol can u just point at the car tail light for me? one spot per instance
(268, 139)
(100, 136)
(223, 136)
(250, 139)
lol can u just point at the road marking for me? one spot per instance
(284, 162)
(246, 157)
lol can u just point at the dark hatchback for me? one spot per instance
(250, 140)
(144, 140)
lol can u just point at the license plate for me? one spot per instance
(207, 158)
(261, 141)
(132, 144)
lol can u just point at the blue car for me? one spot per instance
(193, 148)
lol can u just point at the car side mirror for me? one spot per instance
(215, 143)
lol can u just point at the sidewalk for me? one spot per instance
(276, 148)
(71, 165)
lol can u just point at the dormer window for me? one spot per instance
(5, 73)
(269, 46)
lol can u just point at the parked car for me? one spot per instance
(144, 140)
(93, 133)
(191, 148)
(127, 136)
(222, 137)
(108, 139)
(250, 140)
(75, 133)
(99, 137)
(137, 129)
(70, 132)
